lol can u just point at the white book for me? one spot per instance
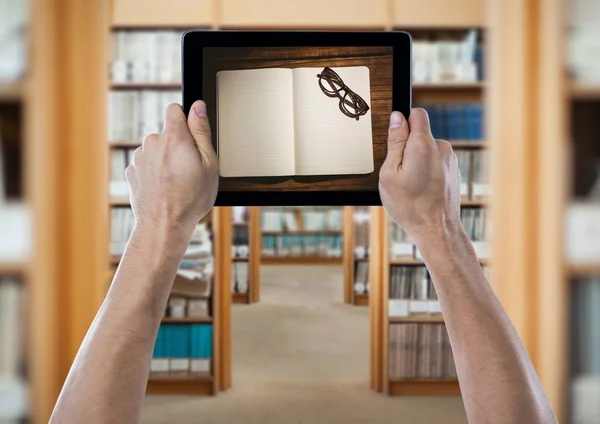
(243, 277)
(151, 53)
(150, 113)
(297, 130)
(118, 183)
(165, 72)
(11, 304)
(15, 230)
(176, 56)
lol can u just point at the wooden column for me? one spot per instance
(255, 249)
(553, 175)
(222, 233)
(376, 312)
(348, 253)
(512, 130)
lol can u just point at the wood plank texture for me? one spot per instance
(438, 13)
(163, 13)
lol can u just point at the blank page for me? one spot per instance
(327, 141)
(255, 123)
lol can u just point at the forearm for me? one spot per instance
(497, 379)
(107, 381)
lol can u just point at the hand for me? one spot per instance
(173, 179)
(419, 182)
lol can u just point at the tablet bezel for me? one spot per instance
(192, 72)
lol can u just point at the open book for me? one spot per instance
(278, 122)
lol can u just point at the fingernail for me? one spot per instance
(200, 109)
(396, 120)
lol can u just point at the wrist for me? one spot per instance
(447, 235)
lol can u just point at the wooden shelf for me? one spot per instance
(476, 85)
(240, 298)
(469, 144)
(12, 92)
(120, 144)
(119, 201)
(13, 268)
(361, 259)
(423, 387)
(419, 262)
(297, 260)
(185, 385)
(475, 202)
(418, 318)
(303, 233)
(361, 299)
(581, 91)
(187, 320)
(146, 86)
(236, 259)
(583, 270)
(240, 224)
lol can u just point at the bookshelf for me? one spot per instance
(245, 255)
(301, 235)
(569, 264)
(356, 255)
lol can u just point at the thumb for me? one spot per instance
(397, 137)
(200, 129)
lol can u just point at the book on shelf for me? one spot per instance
(286, 220)
(239, 247)
(14, 17)
(582, 233)
(182, 350)
(146, 56)
(361, 278)
(438, 61)
(133, 114)
(239, 277)
(420, 351)
(240, 215)
(13, 388)
(122, 222)
(583, 41)
(296, 130)
(411, 292)
(15, 222)
(480, 184)
(302, 245)
(361, 232)
(456, 121)
(464, 164)
(476, 225)
(119, 160)
(401, 246)
(585, 349)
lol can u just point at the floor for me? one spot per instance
(301, 356)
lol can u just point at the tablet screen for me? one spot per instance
(289, 120)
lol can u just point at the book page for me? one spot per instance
(327, 141)
(255, 123)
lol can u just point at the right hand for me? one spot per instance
(419, 182)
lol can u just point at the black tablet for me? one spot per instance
(298, 117)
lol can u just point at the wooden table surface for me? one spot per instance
(379, 60)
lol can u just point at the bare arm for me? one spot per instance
(173, 184)
(419, 185)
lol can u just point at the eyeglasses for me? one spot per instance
(351, 104)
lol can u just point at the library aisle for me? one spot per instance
(300, 355)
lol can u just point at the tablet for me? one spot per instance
(298, 117)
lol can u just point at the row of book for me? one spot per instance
(448, 60)
(13, 388)
(361, 232)
(361, 277)
(302, 245)
(585, 349)
(312, 219)
(420, 351)
(146, 57)
(411, 292)
(183, 349)
(475, 222)
(583, 41)
(133, 114)
(456, 121)
(582, 232)
(474, 173)
(119, 160)
(240, 214)
(14, 17)
(240, 277)
(239, 247)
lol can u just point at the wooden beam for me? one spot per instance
(376, 283)
(222, 236)
(255, 250)
(348, 253)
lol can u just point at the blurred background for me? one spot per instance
(513, 84)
